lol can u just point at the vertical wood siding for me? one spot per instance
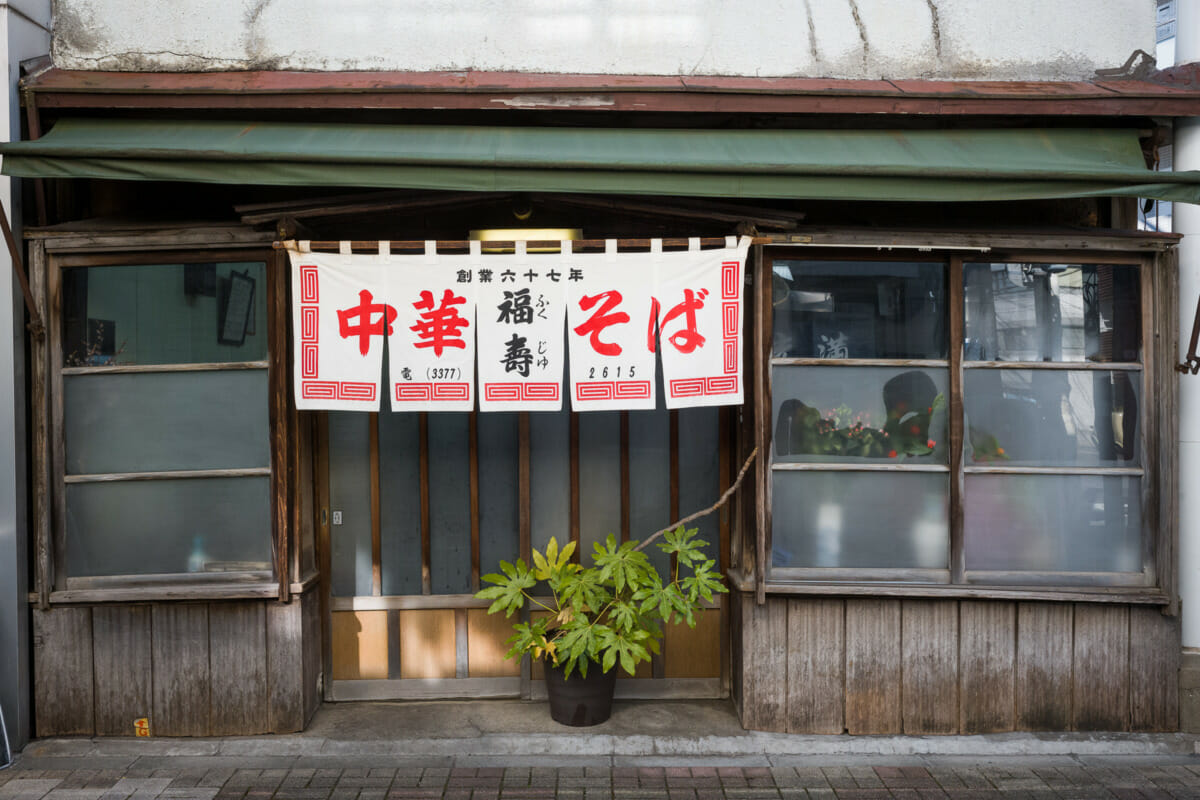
(873, 666)
(191, 668)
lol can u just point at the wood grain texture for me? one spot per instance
(929, 666)
(987, 666)
(427, 644)
(486, 635)
(873, 661)
(764, 663)
(360, 645)
(182, 682)
(1166, 534)
(314, 652)
(39, 421)
(63, 688)
(1044, 665)
(816, 668)
(122, 668)
(693, 652)
(278, 313)
(238, 652)
(285, 666)
(1101, 685)
(1154, 656)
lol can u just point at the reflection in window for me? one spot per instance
(164, 314)
(1052, 312)
(851, 309)
(854, 413)
(1051, 418)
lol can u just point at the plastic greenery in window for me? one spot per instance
(804, 430)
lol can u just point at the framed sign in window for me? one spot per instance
(237, 309)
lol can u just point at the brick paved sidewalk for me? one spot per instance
(957, 779)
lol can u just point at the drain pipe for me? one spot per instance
(1187, 222)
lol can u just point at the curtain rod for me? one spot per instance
(465, 244)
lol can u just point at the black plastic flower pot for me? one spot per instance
(579, 701)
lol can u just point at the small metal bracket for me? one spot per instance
(1191, 364)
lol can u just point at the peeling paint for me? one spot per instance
(556, 101)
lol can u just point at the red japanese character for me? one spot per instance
(441, 327)
(601, 319)
(366, 328)
(687, 339)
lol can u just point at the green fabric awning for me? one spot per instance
(927, 165)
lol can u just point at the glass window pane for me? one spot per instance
(399, 502)
(859, 414)
(859, 309)
(1052, 312)
(1052, 418)
(350, 503)
(1068, 523)
(168, 526)
(164, 314)
(147, 422)
(860, 519)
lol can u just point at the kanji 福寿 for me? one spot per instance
(601, 319)
(366, 327)
(516, 308)
(517, 356)
(439, 327)
(688, 338)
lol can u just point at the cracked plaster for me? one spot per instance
(1015, 40)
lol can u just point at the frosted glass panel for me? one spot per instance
(1052, 312)
(166, 421)
(350, 501)
(599, 479)
(859, 414)
(499, 537)
(1071, 523)
(399, 503)
(859, 309)
(167, 526)
(860, 519)
(164, 314)
(550, 477)
(449, 510)
(1052, 418)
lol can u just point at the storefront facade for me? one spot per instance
(960, 403)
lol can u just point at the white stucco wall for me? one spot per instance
(1011, 40)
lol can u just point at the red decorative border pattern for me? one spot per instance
(521, 391)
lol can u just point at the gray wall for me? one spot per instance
(24, 34)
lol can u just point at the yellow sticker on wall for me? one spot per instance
(141, 727)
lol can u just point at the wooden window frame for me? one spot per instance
(1155, 584)
(50, 253)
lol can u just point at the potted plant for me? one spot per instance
(600, 616)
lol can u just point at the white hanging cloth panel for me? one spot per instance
(521, 306)
(431, 352)
(698, 296)
(610, 330)
(340, 319)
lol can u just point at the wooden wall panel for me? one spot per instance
(816, 667)
(63, 688)
(873, 666)
(360, 646)
(764, 663)
(122, 668)
(1101, 686)
(238, 653)
(182, 682)
(929, 666)
(285, 666)
(1044, 665)
(694, 652)
(1154, 655)
(314, 653)
(426, 643)
(987, 666)
(486, 635)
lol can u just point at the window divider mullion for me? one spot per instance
(956, 421)
(58, 514)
